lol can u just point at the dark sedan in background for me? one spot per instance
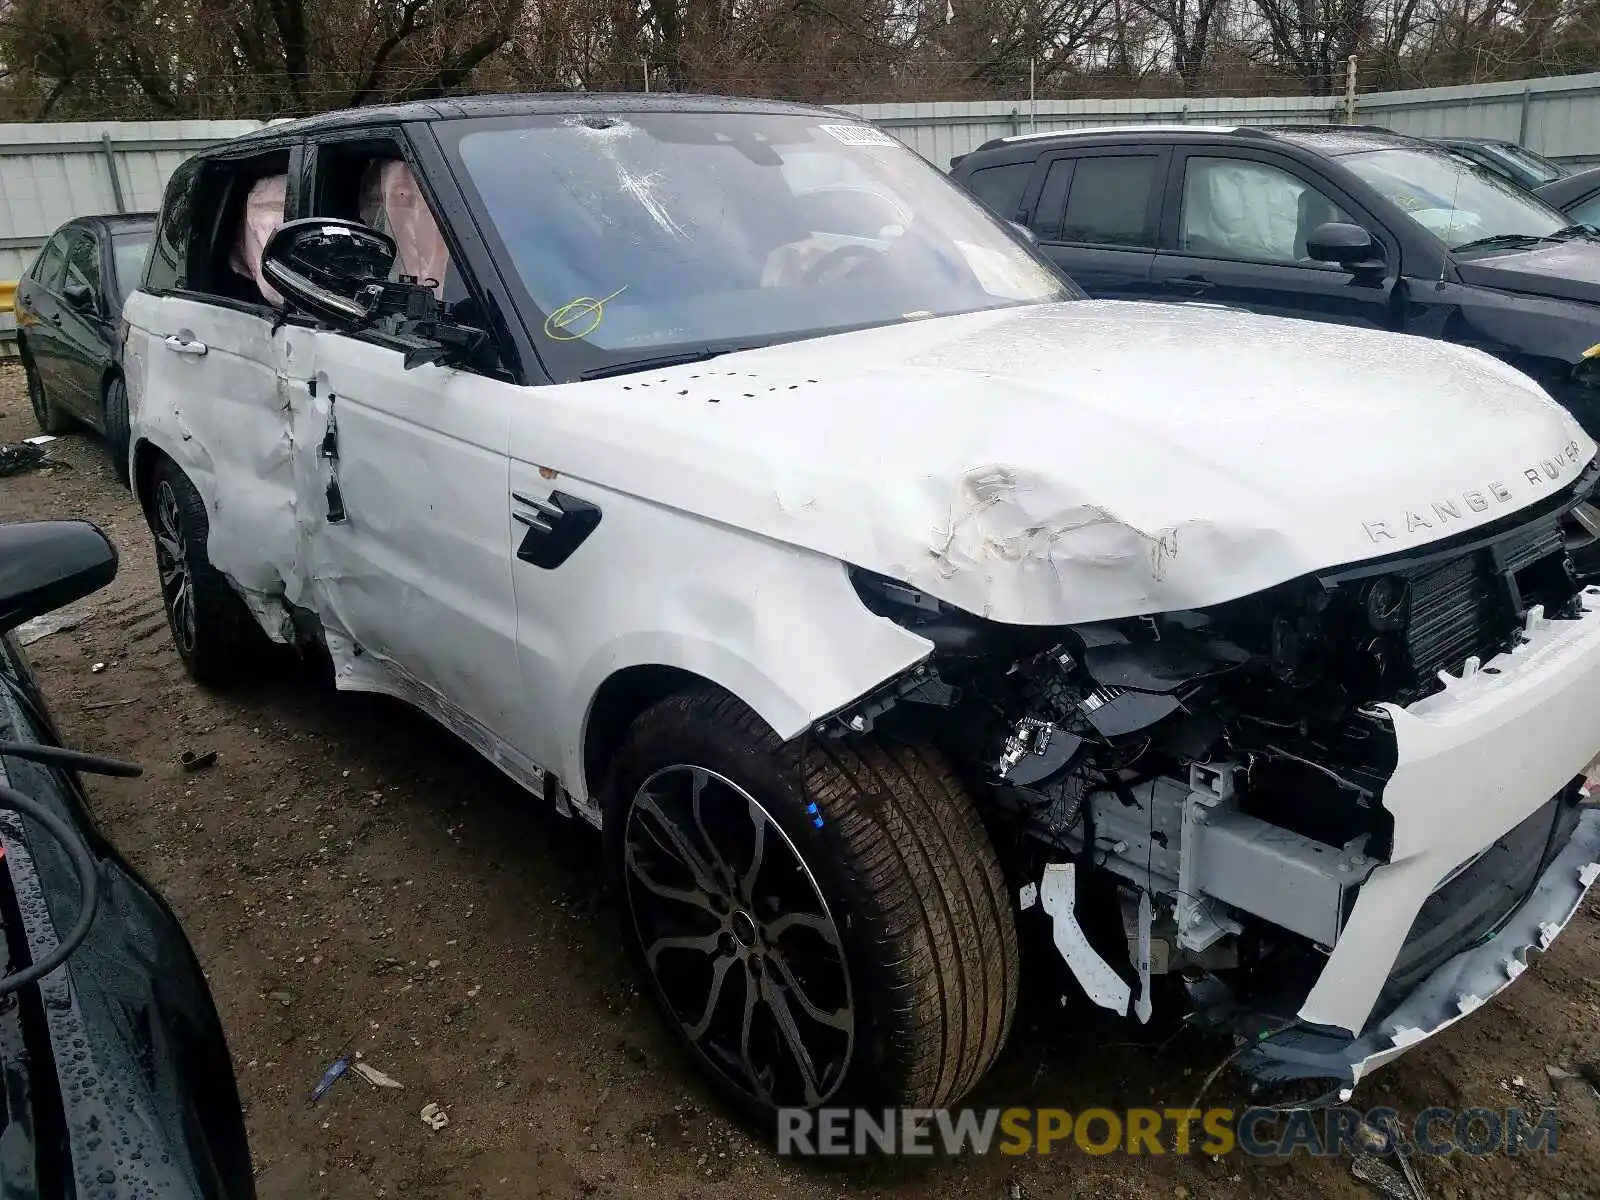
(1577, 195)
(1346, 224)
(115, 1078)
(69, 313)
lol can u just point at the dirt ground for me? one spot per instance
(351, 876)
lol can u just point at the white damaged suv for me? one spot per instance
(729, 479)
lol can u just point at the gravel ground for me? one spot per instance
(352, 876)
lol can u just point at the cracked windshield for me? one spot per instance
(640, 236)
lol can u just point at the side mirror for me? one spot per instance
(1350, 246)
(46, 565)
(320, 264)
(1031, 237)
(79, 295)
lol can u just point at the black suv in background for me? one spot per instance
(1518, 164)
(1348, 224)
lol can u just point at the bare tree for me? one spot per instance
(1187, 26)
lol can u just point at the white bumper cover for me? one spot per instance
(1474, 760)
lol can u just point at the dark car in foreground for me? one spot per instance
(1507, 159)
(1351, 225)
(1577, 195)
(117, 1079)
(69, 312)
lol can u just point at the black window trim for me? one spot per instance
(1172, 217)
(1020, 212)
(255, 151)
(1160, 151)
(97, 252)
(443, 209)
(64, 236)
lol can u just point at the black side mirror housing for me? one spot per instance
(1351, 246)
(322, 266)
(46, 565)
(79, 295)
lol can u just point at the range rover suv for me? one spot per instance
(737, 484)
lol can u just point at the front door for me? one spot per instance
(402, 483)
(39, 296)
(1238, 237)
(401, 477)
(82, 336)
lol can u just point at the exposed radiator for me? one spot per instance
(1463, 607)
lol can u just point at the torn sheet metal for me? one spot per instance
(1064, 463)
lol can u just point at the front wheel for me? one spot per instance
(215, 635)
(821, 923)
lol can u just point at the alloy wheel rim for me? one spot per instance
(172, 564)
(738, 938)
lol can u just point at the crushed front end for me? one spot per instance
(1332, 817)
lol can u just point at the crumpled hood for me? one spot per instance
(1061, 463)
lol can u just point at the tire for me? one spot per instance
(215, 635)
(892, 902)
(50, 419)
(115, 420)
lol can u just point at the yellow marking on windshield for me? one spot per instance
(579, 318)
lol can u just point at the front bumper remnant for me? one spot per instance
(1455, 989)
(1474, 759)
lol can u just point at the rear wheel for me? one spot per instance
(116, 425)
(819, 924)
(215, 635)
(50, 418)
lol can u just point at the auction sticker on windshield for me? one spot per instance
(858, 135)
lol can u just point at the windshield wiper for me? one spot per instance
(1497, 241)
(655, 362)
(1567, 232)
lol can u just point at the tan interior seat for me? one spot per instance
(263, 213)
(391, 202)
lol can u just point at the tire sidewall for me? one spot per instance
(36, 396)
(117, 435)
(772, 777)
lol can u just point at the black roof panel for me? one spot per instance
(527, 104)
(1334, 140)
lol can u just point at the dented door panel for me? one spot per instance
(401, 486)
(222, 416)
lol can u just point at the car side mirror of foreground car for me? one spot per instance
(46, 565)
(323, 266)
(1351, 246)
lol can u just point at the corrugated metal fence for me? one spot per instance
(51, 172)
(1558, 117)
